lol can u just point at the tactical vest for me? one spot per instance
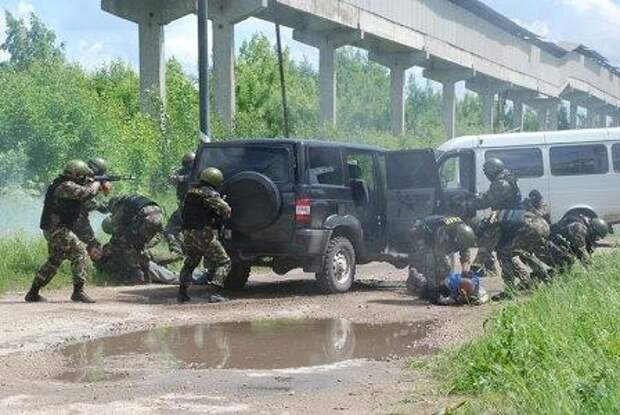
(132, 205)
(67, 210)
(433, 223)
(195, 214)
(511, 220)
(515, 200)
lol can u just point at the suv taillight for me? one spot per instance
(303, 211)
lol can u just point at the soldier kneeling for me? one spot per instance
(433, 240)
(136, 223)
(577, 234)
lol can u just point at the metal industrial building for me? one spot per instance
(453, 40)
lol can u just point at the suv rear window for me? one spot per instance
(325, 166)
(273, 162)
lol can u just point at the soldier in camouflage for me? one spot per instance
(522, 248)
(181, 180)
(536, 205)
(578, 234)
(64, 200)
(82, 227)
(202, 208)
(433, 240)
(503, 194)
(135, 224)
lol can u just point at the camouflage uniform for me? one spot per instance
(202, 206)
(136, 223)
(83, 229)
(63, 202)
(503, 194)
(539, 208)
(573, 232)
(180, 179)
(432, 243)
(524, 241)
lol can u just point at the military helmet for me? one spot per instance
(212, 176)
(106, 226)
(77, 169)
(188, 159)
(535, 196)
(599, 228)
(492, 167)
(465, 236)
(98, 165)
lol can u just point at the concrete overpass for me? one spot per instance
(453, 40)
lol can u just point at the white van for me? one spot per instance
(575, 170)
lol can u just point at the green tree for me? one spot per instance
(30, 41)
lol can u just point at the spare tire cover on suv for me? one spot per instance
(255, 201)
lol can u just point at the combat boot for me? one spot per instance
(183, 297)
(33, 295)
(79, 296)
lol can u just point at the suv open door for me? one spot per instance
(413, 192)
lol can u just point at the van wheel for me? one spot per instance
(338, 271)
(238, 276)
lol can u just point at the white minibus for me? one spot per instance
(575, 170)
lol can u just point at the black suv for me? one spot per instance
(320, 206)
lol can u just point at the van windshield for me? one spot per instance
(273, 162)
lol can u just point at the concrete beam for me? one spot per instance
(399, 63)
(330, 38)
(449, 75)
(235, 11)
(402, 60)
(160, 11)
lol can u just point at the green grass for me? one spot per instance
(555, 352)
(20, 258)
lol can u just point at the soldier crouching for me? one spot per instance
(64, 200)
(202, 207)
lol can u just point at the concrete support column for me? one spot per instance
(399, 63)
(602, 120)
(488, 104)
(542, 118)
(590, 118)
(224, 70)
(397, 99)
(448, 109)
(518, 114)
(574, 110)
(327, 42)
(615, 120)
(553, 122)
(327, 84)
(152, 65)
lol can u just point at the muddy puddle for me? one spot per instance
(268, 344)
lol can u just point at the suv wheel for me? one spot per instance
(238, 276)
(338, 271)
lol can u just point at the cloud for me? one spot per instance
(23, 10)
(609, 10)
(182, 41)
(92, 54)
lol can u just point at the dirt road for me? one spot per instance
(322, 356)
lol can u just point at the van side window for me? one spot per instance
(615, 154)
(524, 162)
(579, 160)
(325, 166)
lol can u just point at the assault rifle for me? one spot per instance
(112, 178)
